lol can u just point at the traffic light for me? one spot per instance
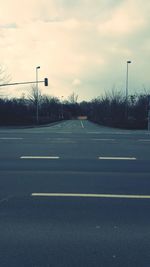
(46, 81)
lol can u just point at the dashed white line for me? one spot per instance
(117, 158)
(39, 157)
(90, 195)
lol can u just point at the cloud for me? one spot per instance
(124, 20)
(81, 42)
(76, 82)
(9, 26)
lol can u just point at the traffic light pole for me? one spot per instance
(45, 82)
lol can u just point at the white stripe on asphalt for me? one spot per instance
(118, 158)
(90, 195)
(39, 157)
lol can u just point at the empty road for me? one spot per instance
(74, 194)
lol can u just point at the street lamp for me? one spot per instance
(37, 104)
(127, 76)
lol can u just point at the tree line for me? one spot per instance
(111, 109)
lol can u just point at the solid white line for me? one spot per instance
(39, 157)
(90, 195)
(118, 158)
(82, 124)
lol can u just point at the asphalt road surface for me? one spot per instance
(74, 194)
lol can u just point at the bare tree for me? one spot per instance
(73, 98)
(34, 95)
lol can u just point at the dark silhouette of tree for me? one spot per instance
(108, 109)
(50, 108)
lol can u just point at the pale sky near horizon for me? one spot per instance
(82, 46)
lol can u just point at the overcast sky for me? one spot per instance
(82, 46)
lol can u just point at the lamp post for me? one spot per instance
(37, 104)
(127, 81)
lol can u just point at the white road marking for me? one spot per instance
(39, 157)
(90, 195)
(82, 124)
(11, 138)
(118, 158)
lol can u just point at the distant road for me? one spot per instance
(74, 194)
